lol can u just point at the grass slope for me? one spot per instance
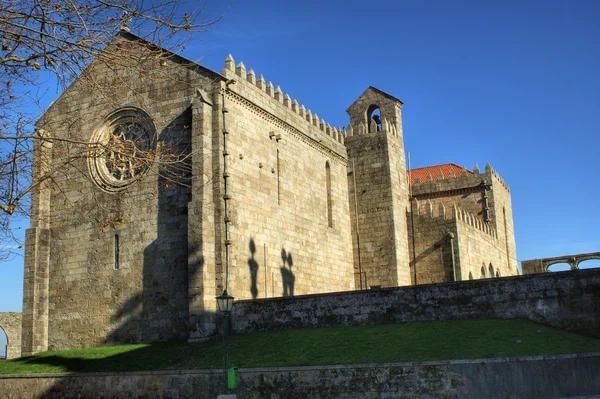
(440, 340)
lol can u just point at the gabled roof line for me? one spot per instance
(383, 93)
(134, 38)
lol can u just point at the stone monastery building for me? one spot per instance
(125, 250)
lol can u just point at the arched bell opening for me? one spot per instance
(374, 119)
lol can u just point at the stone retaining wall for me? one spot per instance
(568, 300)
(525, 377)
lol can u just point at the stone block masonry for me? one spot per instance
(10, 322)
(523, 377)
(567, 300)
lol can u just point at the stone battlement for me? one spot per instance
(455, 180)
(474, 221)
(364, 128)
(491, 171)
(463, 173)
(457, 214)
(248, 77)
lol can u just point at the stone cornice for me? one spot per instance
(444, 193)
(269, 117)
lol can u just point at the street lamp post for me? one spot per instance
(225, 305)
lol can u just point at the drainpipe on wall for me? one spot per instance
(414, 245)
(226, 197)
(356, 220)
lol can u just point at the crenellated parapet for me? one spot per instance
(474, 221)
(492, 172)
(427, 208)
(453, 172)
(439, 172)
(367, 128)
(290, 110)
(448, 177)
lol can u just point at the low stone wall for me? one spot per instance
(526, 377)
(11, 324)
(568, 300)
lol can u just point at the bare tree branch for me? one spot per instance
(60, 38)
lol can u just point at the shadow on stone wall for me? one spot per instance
(287, 276)
(160, 310)
(253, 266)
(434, 264)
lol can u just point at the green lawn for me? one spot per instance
(460, 339)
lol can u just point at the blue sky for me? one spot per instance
(513, 83)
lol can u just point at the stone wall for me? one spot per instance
(568, 300)
(378, 191)
(524, 377)
(478, 252)
(501, 211)
(94, 295)
(433, 248)
(10, 322)
(376, 224)
(290, 227)
(480, 243)
(479, 249)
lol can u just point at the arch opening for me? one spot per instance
(559, 267)
(374, 115)
(483, 272)
(589, 264)
(491, 268)
(3, 344)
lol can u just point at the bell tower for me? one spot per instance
(378, 190)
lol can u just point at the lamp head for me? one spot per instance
(225, 302)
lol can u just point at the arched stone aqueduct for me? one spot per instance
(541, 265)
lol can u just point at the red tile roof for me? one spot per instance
(434, 171)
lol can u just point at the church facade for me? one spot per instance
(261, 197)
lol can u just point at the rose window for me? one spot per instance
(122, 149)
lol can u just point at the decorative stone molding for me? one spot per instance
(122, 149)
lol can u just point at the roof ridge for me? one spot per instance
(435, 166)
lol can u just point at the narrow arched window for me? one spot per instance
(329, 200)
(491, 270)
(116, 254)
(483, 273)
